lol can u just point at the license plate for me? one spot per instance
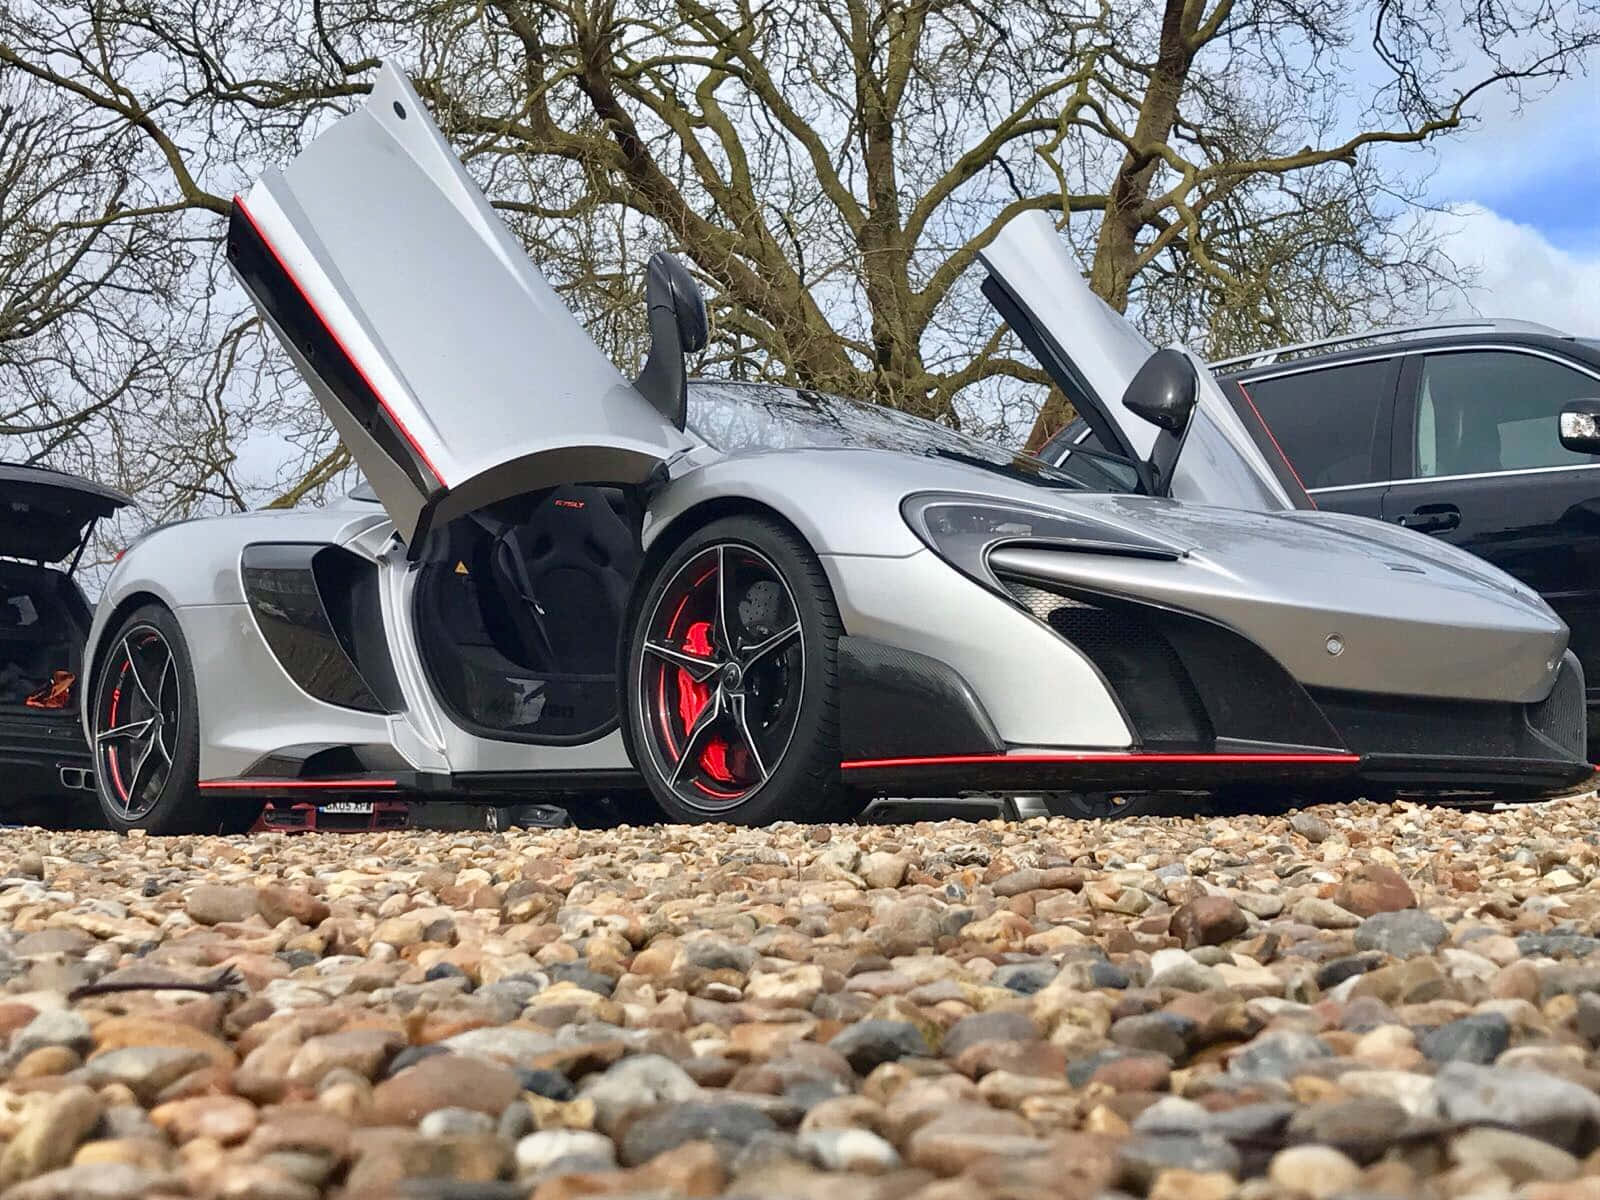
(348, 806)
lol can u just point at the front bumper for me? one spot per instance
(1211, 711)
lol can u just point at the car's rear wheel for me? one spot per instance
(732, 691)
(146, 730)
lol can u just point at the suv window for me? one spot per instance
(1326, 420)
(1494, 410)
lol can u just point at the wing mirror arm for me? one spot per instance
(678, 326)
(1580, 426)
(1163, 392)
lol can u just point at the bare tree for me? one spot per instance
(113, 358)
(832, 168)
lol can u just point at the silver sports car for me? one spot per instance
(757, 601)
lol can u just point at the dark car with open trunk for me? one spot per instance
(46, 520)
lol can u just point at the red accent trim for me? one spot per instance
(334, 785)
(1273, 438)
(942, 760)
(345, 350)
(111, 722)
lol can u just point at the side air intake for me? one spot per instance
(1137, 661)
(1183, 681)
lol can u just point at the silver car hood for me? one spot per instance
(449, 365)
(1343, 602)
(1288, 580)
(1094, 353)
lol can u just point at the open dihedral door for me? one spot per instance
(1093, 353)
(448, 364)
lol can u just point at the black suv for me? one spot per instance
(45, 519)
(1483, 433)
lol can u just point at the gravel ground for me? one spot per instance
(1356, 1001)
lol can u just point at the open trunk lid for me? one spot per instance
(46, 516)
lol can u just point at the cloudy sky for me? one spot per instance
(1523, 199)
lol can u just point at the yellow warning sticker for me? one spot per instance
(461, 568)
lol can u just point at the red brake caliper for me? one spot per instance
(692, 699)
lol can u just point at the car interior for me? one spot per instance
(43, 625)
(520, 608)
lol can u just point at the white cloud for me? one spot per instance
(1520, 273)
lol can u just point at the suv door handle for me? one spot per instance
(1431, 518)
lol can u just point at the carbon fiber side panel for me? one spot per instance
(896, 703)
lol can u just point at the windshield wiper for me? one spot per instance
(1041, 475)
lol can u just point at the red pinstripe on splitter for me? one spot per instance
(1068, 759)
(330, 785)
(238, 203)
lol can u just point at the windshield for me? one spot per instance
(742, 417)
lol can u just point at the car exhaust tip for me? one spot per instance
(76, 779)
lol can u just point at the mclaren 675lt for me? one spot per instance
(752, 602)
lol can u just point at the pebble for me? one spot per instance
(1145, 1156)
(566, 1149)
(145, 1070)
(1000, 1025)
(1480, 1038)
(1314, 1171)
(216, 904)
(1361, 1128)
(1179, 969)
(871, 1043)
(49, 1135)
(92, 1181)
(52, 1027)
(730, 1124)
(1533, 1102)
(1520, 1158)
(1277, 1055)
(1370, 999)
(1324, 914)
(1311, 827)
(1207, 921)
(849, 1150)
(1402, 934)
(1374, 888)
(445, 1081)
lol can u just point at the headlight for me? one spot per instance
(962, 529)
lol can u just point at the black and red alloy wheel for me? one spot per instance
(723, 676)
(137, 723)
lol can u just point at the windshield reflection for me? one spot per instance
(744, 417)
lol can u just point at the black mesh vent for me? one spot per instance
(1136, 660)
(1038, 601)
(1562, 716)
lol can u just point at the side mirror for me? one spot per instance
(1580, 426)
(678, 326)
(669, 285)
(1163, 391)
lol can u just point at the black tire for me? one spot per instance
(779, 738)
(146, 733)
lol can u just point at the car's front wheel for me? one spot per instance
(732, 700)
(146, 729)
